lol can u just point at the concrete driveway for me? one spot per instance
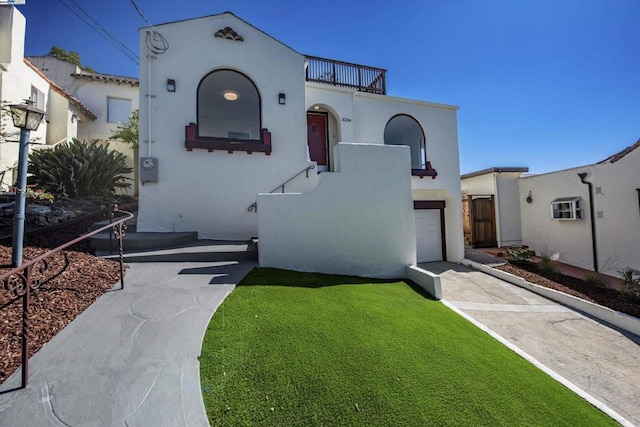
(602, 361)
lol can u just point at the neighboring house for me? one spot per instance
(230, 113)
(112, 99)
(491, 207)
(589, 215)
(20, 80)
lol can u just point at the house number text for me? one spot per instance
(346, 119)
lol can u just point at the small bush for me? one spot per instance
(39, 196)
(630, 282)
(79, 169)
(596, 279)
(519, 254)
(547, 263)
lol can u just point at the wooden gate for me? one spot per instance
(483, 222)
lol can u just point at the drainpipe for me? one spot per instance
(149, 96)
(638, 190)
(594, 246)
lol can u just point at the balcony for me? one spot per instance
(345, 74)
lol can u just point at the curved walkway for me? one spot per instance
(603, 362)
(132, 357)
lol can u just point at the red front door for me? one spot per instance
(317, 137)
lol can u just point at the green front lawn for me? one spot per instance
(300, 349)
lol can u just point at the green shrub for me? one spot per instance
(630, 282)
(547, 263)
(519, 254)
(79, 169)
(596, 279)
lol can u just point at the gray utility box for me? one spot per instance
(148, 169)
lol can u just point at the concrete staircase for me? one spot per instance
(169, 247)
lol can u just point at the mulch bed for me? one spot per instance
(75, 278)
(579, 288)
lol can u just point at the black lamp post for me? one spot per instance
(27, 118)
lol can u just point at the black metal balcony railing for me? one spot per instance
(345, 74)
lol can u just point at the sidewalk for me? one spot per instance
(132, 357)
(601, 361)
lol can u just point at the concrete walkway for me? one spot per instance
(603, 362)
(131, 359)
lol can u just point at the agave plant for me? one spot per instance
(79, 169)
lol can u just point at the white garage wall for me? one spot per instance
(358, 221)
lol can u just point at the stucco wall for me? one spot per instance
(508, 209)
(363, 117)
(210, 192)
(358, 221)
(505, 189)
(571, 239)
(618, 213)
(481, 185)
(16, 85)
(57, 70)
(95, 94)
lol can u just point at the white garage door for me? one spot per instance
(428, 236)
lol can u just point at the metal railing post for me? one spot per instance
(19, 281)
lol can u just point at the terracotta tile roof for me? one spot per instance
(75, 101)
(107, 78)
(614, 158)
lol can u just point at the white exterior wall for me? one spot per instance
(571, 239)
(356, 222)
(16, 83)
(617, 213)
(508, 209)
(57, 70)
(481, 185)
(210, 192)
(505, 189)
(95, 94)
(363, 117)
(60, 126)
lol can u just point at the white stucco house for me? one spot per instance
(590, 215)
(20, 80)
(491, 207)
(110, 98)
(242, 137)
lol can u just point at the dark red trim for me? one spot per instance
(428, 171)
(429, 204)
(440, 205)
(192, 140)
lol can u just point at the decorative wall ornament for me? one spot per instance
(229, 33)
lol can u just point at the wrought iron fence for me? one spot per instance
(21, 280)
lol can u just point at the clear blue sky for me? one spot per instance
(544, 84)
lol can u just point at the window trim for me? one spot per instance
(217, 139)
(109, 98)
(574, 209)
(40, 96)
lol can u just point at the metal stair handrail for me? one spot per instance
(254, 206)
(19, 280)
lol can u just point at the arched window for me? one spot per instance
(405, 130)
(228, 107)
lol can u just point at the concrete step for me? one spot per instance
(198, 251)
(132, 224)
(134, 241)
